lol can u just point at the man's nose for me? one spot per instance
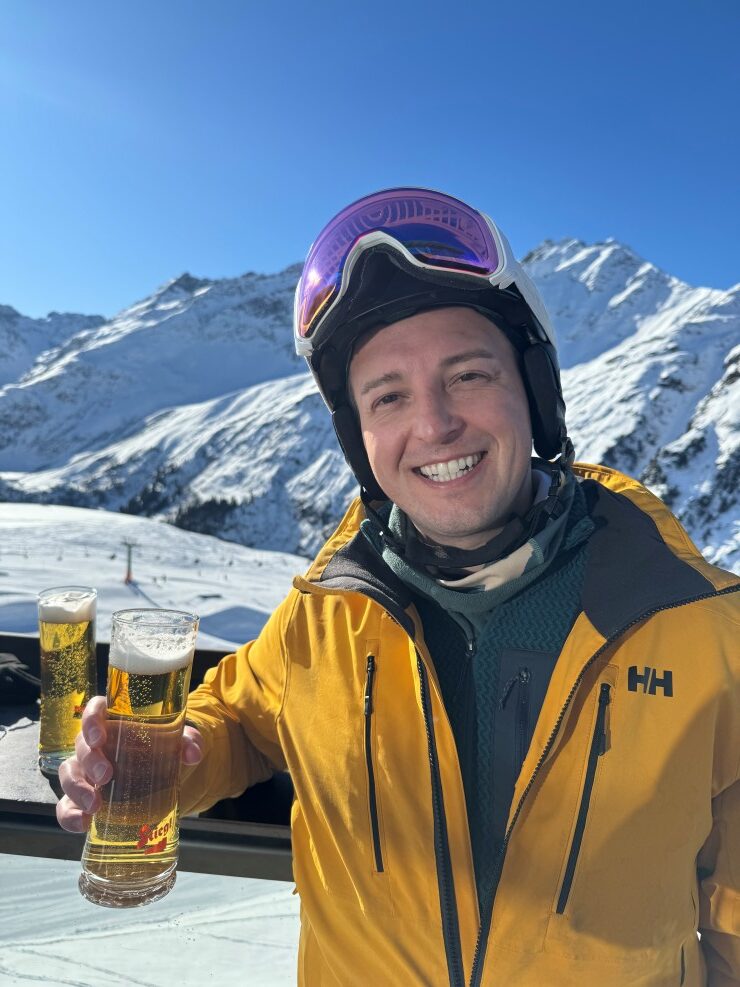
(435, 418)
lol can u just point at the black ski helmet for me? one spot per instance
(382, 283)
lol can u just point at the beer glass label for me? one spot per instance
(158, 834)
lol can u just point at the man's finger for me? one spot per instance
(95, 766)
(77, 788)
(94, 720)
(192, 746)
(71, 818)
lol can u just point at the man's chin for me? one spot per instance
(459, 535)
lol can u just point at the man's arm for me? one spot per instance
(719, 891)
(236, 711)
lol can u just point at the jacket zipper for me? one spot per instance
(369, 761)
(598, 747)
(480, 946)
(445, 877)
(522, 715)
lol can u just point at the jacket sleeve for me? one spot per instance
(719, 891)
(236, 710)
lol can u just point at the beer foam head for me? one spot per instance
(67, 606)
(155, 658)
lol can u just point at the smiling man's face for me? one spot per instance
(445, 421)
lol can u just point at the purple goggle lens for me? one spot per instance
(437, 230)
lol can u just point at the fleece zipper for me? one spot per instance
(522, 715)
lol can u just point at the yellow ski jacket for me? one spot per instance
(623, 835)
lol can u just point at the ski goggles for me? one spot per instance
(434, 232)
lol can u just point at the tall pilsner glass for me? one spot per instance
(130, 853)
(68, 671)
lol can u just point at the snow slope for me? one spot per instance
(232, 588)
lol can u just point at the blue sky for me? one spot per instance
(140, 140)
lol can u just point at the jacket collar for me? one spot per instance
(630, 570)
(357, 566)
(639, 559)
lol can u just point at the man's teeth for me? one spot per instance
(442, 472)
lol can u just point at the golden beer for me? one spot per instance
(130, 853)
(68, 671)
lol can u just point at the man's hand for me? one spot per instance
(89, 768)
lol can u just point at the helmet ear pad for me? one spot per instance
(347, 428)
(546, 404)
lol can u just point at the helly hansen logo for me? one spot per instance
(648, 680)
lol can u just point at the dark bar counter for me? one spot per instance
(244, 837)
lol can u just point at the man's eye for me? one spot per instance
(385, 399)
(471, 375)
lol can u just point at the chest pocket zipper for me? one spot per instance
(598, 747)
(522, 679)
(374, 825)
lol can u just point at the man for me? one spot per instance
(506, 689)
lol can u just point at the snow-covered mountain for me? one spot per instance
(651, 380)
(24, 339)
(191, 405)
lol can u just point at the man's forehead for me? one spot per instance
(449, 332)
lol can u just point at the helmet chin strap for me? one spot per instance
(452, 562)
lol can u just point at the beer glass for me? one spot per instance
(130, 852)
(68, 670)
